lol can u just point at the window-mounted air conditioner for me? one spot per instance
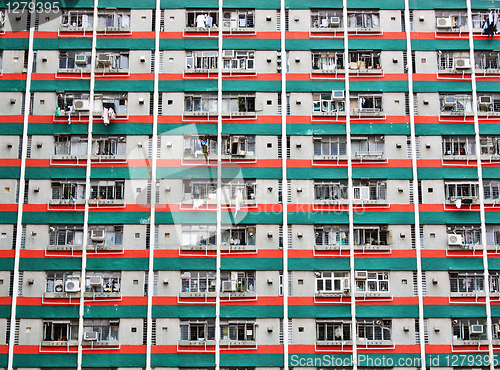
(449, 101)
(227, 54)
(485, 101)
(338, 94)
(476, 329)
(72, 285)
(443, 23)
(81, 105)
(229, 286)
(80, 59)
(104, 59)
(361, 274)
(95, 280)
(90, 335)
(97, 235)
(335, 21)
(454, 239)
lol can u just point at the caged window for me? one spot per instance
(327, 60)
(372, 281)
(66, 235)
(60, 330)
(371, 235)
(238, 330)
(459, 145)
(466, 282)
(490, 146)
(375, 330)
(60, 281)
(197, 330)
(330, 190)
(238, 60)
(107, 190)
(106, 329)
(330, 145)
(71, 190)
(331, 235)
(325, 19)
(196, 60)
(70, 145)
(469, 329)
(243, 281)
(331, 330)
(332, 281)
(103, 281)
(363, 19)
(201, 18)
(328, 103)
(198, 281)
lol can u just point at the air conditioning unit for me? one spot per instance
(337, 94)
(454, 239)
(229, 286)
(485, 101)
(347, 285)
(95, 280)
(443, 23)
(81, 105)
(90, 335)
(227, 54)
(449, 101)
(97, 235)
(59, 286)
(104, 59)
(462, 63)
(361, 274)
(72, 286)
(80, 59)
(476, 329)
(335, 21)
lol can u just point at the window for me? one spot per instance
(452, 61)
(374, 329)
(459, 145)
(113, 19)
(198, 330)
(196, 60)
(364, 103)
(207, 145)
(241, 281)
(236, 19)
(460, 190)
(67, 102)
(326, 18)
(368, 145)
(60, 330)
(71, 190)
(103, 281)
(332, 281)
(200, 18)
(117, 60)
(102, 145)
(331, 330)
(330, 190)
(494, 280)
(198, 234)
(487, 59)
(207, 189)
(469, 329)
(62, 281)
(116, 100)
(198, 281)
(490, 146)
(331, 235)
(238, 60)
(106, 235)
(107, 329)
(70, 145)
(327, 60)
(77, 18)
(200, 103)
(239, 103)
(238, 330)
(372, 281)
(66, 235)
(107, 190)
(330, 145)
(488, 103)
(327, 104)
(492, 235)
(75, 59)
(369, 189)
(469, 235)
(371, 235)
(364, 19)
(450, 104)
(364, 59)
(455, 20)
(238, 235)
(466, 282)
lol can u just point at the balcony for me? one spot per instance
(455, 105)
(461, 193)
(196, 284)
(199, 193)
(241, 332)
(454, 62)
(466, 332)
(238, 284)
(108, 21)
(490, 148)
(329, 148)
(459, 148)
(200, 20)
(364, 62)
(487, 62)
(330, 192)
(326, 21)
(109, 192)
(329, 104)
(488, 105)
(366, 105)
(205, 147)
(464, 237)
(363, 21)
(451, 21)
(366, 192)
(331, 332)
(331, 238)
(327, 62)
(238, 21)
(369, 148)
(68, 192)
(199, 332)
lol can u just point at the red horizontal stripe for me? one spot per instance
(242, 77)
(258, 35)
(191, 120)
(261, 253)
(50, 119)
(367, 77)
(352, 35)
(395, 253)
(125, 301)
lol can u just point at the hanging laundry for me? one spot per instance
(70, 109)
(458, 203)
(57, 111)
(105, 115)
(111, 113)
(197, 203)
(209, 21)
(200, 21)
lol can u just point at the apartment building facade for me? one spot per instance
(249, 185)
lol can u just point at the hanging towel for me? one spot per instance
(197, 203)
(200, 21)
(57, 111)
(458, 203)
(111, 113)
(70, 109)
(105, 115)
